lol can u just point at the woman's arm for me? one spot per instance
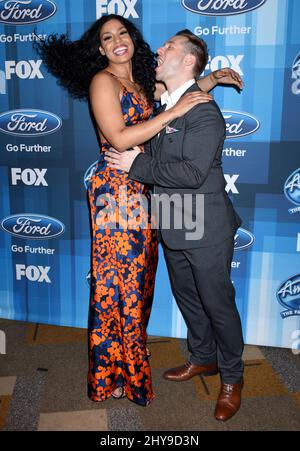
(105, 102)
(225, 76)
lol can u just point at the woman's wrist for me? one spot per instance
(169, 116)
(213, 79)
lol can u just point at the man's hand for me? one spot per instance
(121, 160)
(228, 77)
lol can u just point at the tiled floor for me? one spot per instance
(43, 388)
(81, 420)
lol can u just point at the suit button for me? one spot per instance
(170, 140)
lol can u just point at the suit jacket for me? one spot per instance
(186, 159)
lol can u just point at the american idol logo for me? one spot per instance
(89, 173)
(239, 124)
(22, 12)
(221, 7)
(292, 190)
(29, 122)
(243, 239)
(33, 226)
(296, 76)
(296, 68)
(288, 296)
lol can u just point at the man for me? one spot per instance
(185, 159)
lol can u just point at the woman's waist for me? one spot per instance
(116, 176)
(101, 163)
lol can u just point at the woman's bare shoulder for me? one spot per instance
(104, 80)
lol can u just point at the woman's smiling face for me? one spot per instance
(116, 43)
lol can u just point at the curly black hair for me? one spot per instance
(75, 63)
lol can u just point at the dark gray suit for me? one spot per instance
(187, 160)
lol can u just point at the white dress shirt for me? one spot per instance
(172, 99)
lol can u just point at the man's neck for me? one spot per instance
(175, 83)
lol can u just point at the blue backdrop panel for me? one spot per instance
(48, 148)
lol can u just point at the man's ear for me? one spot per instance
(189, 60)
(101, 51)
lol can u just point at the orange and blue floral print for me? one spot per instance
(124, 261)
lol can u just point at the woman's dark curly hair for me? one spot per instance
(75, 63)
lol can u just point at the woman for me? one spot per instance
(114, 68)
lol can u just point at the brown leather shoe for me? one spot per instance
(189, 370)
(229, 401)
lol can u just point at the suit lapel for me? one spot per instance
(158, 139)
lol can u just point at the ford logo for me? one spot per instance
(221, 7)
(239, 124)
(33, 226)
(288, 296)
(29, 122)
(243, 239)
(89, 173)
(22, 12)
(292, 187)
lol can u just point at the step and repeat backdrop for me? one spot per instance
(49, 148)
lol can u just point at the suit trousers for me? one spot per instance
(202, 286)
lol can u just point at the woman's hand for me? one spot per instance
(188, 101)
(227, 77)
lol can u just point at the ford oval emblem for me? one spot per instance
(33, 226)
(20, 12)
(221, 7)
